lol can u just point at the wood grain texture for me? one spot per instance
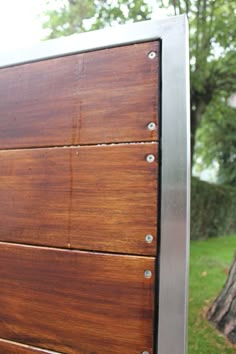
(76, 302)
(103, 96)
(7, 347)
(93, 198)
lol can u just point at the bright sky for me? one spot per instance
(19, 25)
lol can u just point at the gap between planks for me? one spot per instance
(80, 146)
(26, 346)
(76, 250)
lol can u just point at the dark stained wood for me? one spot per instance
(7, 347)
(76, 302)
(95, 198)
(98, 97)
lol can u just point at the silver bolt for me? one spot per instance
(151, 126)
(147, 274)
(145, 352)
(149, 238)
(152, 55)
(150, 158)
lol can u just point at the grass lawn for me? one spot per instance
(209, 263)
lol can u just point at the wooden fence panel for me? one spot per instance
(96, 198)
(7, 347)
(79, 200)
(97, 97)
(76, 302)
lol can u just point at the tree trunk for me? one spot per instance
(197, 110)
(223, 311)
(193, 133)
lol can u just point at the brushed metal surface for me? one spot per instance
(175, 189)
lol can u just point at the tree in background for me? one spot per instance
(216, 140)
(212, 54)
(213, 78)
(222, 313)
(213, 122)
(65, 17)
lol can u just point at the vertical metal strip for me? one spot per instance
(174, 246)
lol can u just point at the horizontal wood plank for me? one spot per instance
(95, 198)
(76, 302)
(8, 347)
(103, 96)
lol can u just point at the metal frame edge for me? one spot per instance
(175, 191)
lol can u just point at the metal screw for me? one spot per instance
(150, 158)
(145, 352)
(149, 238)
(151, 126)
(152, 55)
(147, 274)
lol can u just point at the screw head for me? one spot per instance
(151, 126)
(147, 274)
(150, 158)
(149, 238)
(145, 352)
(152, 55)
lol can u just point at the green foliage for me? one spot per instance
(213, 210)
(212, 57)
(67, 17)
(120, 12)
(216, 141)
(212, 42)
(209, 262)
(63, 18)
